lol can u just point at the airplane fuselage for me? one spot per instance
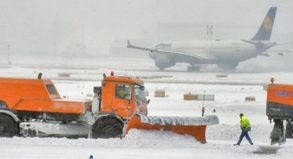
(216, 51)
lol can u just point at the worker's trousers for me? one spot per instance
(244, 134)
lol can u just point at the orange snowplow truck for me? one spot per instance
(33, 107)
(280, 109)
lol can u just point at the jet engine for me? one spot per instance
(163, 62)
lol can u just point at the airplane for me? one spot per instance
(225, 54)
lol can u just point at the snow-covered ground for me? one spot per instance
(229, 92)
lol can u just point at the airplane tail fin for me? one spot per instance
(265, 30)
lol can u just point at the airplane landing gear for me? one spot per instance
(193, 68)
(228, 66)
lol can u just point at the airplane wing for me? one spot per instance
(139, 48)
(280, 52)
(285, 43)
(201, 56)
(277, 51)
(260, 44)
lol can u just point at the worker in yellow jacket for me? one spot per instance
(245, 127)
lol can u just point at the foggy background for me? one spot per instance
(97, 29)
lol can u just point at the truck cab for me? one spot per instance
(121, 95)
(115, 102)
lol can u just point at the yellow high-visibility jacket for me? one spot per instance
(244, 123)
(121, 93)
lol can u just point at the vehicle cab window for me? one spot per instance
(122, 91)
(139, 93)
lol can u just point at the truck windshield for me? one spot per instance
(139, 93)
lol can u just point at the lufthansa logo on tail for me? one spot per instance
(267, 24)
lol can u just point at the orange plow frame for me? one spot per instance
(196, 130)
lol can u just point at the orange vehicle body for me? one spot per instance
(38, 95)
(280, 101)
(279, 108)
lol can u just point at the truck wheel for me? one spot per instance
(107, 128)
(8, 127)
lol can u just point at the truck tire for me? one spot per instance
(107, 127)
(8, 127)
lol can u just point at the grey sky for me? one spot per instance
(61, 25)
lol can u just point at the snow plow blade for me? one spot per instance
(194, 126)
